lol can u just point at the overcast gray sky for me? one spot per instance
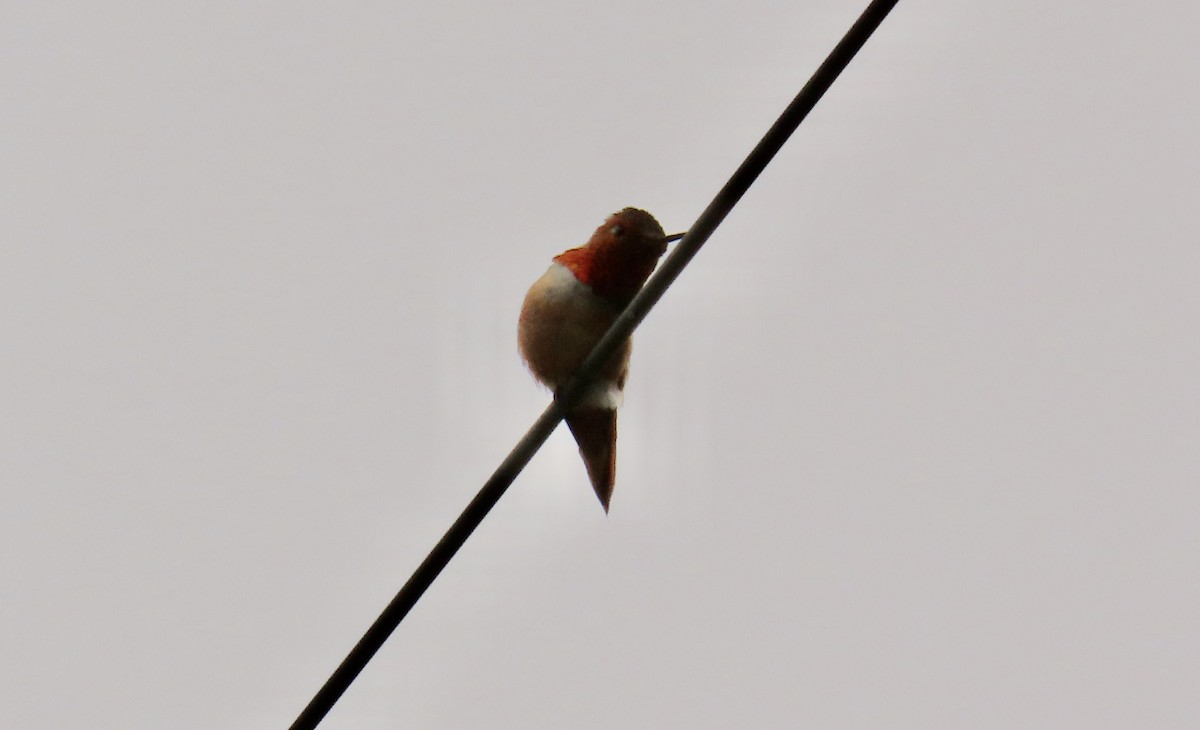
(913, 443)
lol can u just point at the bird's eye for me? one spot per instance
(617, 230)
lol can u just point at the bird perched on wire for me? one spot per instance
(567, 311)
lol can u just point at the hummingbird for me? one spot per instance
(569, 309)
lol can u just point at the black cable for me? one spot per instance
(621, 329)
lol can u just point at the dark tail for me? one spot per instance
(596, 433)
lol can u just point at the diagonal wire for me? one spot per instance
(621, 329)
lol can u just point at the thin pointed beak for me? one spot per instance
(674, 237)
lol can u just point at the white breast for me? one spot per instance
(561, 321)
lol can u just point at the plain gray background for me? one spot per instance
(913, 442)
